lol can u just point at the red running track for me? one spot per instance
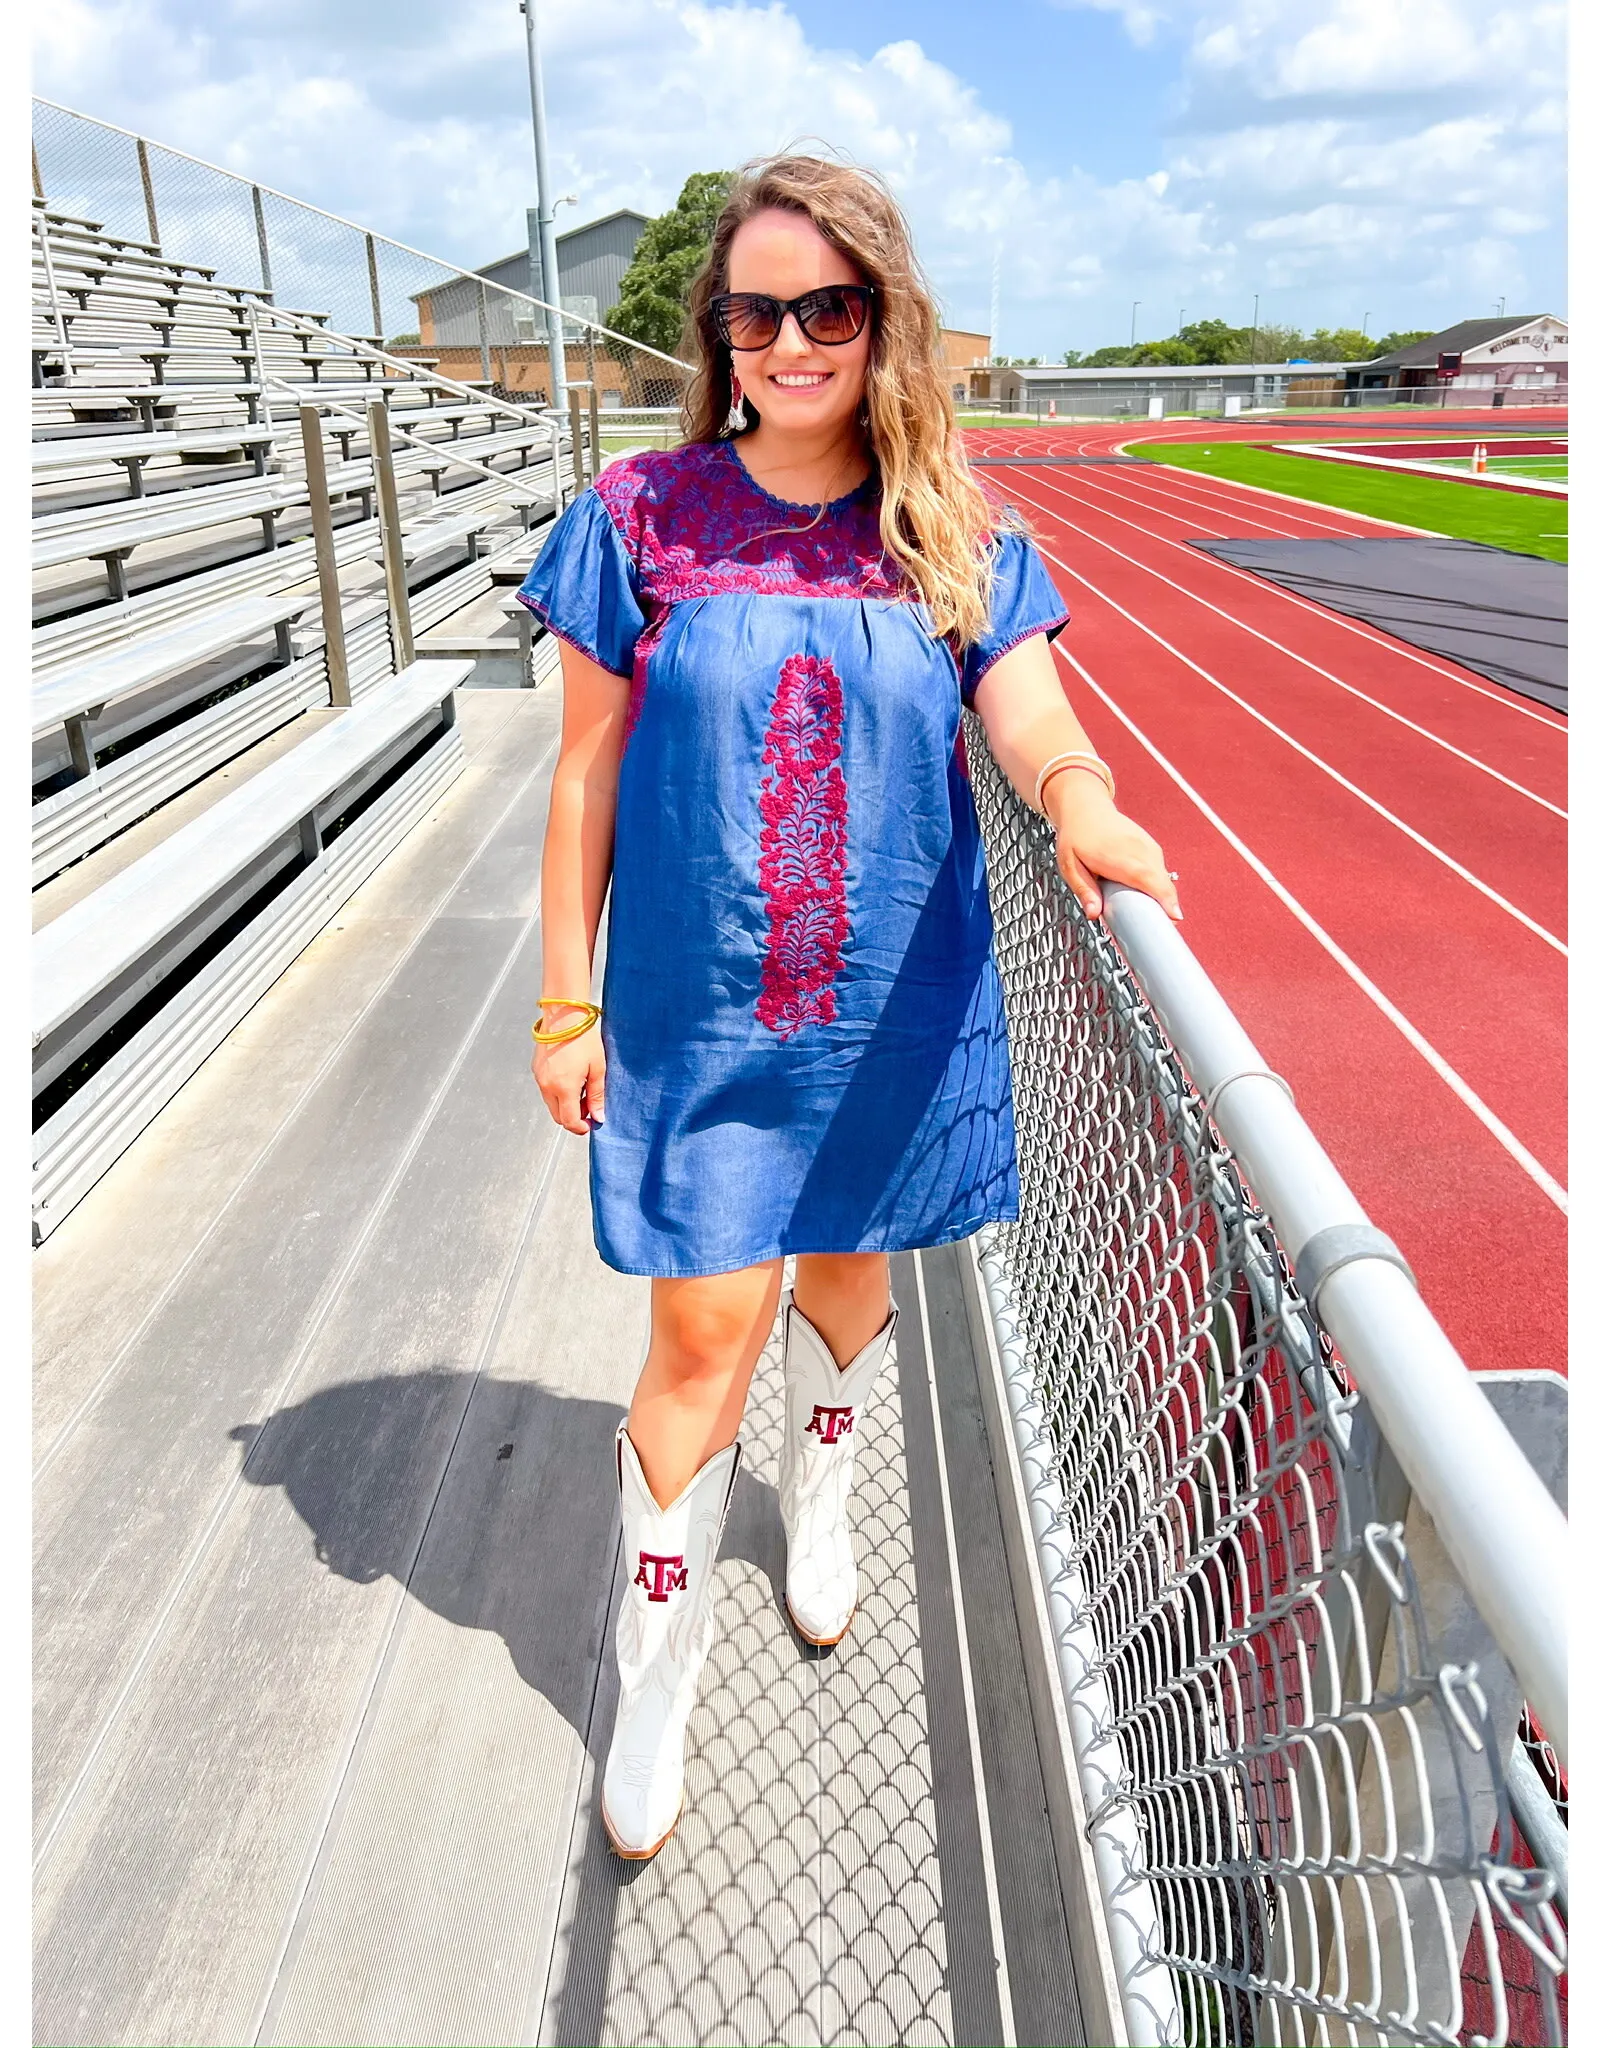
(1372, 847)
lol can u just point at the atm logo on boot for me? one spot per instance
(661, 1575)
(830, 1423)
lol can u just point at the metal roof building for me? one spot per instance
(591, 260)
(1179, 387)
(1526, 351)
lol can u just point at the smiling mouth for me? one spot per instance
(809, 380)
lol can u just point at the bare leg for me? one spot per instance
(844, 1296)
(705, 1338)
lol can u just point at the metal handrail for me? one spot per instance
(1505, 1535)
(1293, 1578)
(289, 199)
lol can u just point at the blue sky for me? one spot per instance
(1397, 158)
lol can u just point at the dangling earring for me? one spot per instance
(736, 419)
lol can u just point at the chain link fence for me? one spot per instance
(1232, 392)
(349, 278)
(1293, 1728)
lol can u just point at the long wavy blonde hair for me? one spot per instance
(935, 521)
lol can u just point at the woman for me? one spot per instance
(769, 633)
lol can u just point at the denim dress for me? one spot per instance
(804, 1032)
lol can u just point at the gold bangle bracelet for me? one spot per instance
(1095, 767)
(591, 1016)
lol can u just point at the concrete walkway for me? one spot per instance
(327, 1374)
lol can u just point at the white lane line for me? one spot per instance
(1267, 640)
(1316, 504)
(1217, 492)
(1538, 1174)
(1361, 632)
(1327, 768)
(969, 1699)
(1216, 505)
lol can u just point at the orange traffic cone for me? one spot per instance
(1052, 408)
(1480, 460)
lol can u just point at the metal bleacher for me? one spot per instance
(1208, 1686)
(190, 438)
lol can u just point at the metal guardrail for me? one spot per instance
(1299, 1576)
(1132, 400)
(366, 284)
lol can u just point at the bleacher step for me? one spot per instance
(135, 985)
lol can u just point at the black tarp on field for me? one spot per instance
(1504, 615)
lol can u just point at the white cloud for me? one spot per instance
(1141, 19)
(1287, 48)
(1339, 153)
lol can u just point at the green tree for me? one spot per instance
(1386, 344)
(1339, 345)
(1071, 358)
(1173, 351)
(1214, 341)
(1274, 344)
(654, 293)
(1107, 359)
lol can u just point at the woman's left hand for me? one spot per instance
(1096, 843)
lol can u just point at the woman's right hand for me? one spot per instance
(572, 1080)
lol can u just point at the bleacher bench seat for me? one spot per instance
(144, 978)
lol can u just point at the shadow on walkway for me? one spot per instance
(517, 1534)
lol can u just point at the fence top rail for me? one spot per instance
(456, 270)
(1503, 1532)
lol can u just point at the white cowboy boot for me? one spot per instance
(664, 1632)
(822, 1408)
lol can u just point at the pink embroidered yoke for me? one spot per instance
(803, 1022)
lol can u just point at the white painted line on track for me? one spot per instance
(1316, 504)
(1539, 1175)
(1361, 632)
(1316, 668)
(1214, 504)
(1316, 760)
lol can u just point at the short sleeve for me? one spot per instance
(1025, 602)
(583, 585)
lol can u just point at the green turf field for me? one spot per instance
(1500, 519)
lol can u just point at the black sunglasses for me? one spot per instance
(834, 314)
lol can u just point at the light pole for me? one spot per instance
(549, 274)
(1500, 310)
(1182, 314)
(1255, 322)
(1364, 319)
(1133, 324)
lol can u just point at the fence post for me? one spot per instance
(149, 185)
(38, 182)
(575, 411)
(372, 282)
(394, 547)
(261, 240)
(594, 431)
(483, 333)
(327, 561)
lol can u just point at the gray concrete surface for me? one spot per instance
(327, 1373)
